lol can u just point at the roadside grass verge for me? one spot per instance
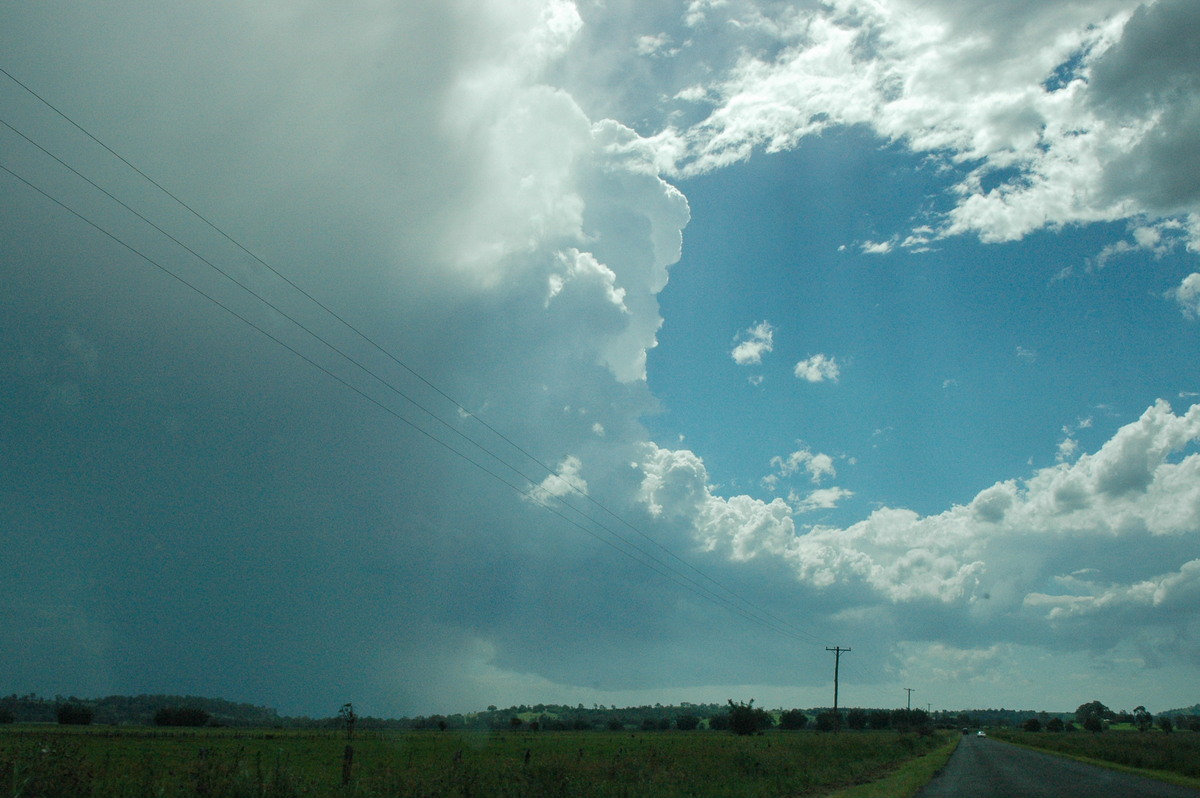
(223, 763)
(906, 780)
(1173, 758)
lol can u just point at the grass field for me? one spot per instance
(46, 762)
(1176, 754)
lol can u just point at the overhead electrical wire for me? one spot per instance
(359, 333)
(727, 598)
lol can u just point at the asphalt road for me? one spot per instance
(985, 768)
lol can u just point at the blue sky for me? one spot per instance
(960, 366)
(602, 352)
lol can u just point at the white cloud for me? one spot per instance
(654, 45)
(819, 499)
(675, 486)
(565, 480)
(753, 344)
(1187, 294)
(1054, 113)
(583, 266)
(818, 368)
(994, 556)
(1066, 449)
(817, 465)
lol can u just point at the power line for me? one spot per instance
(653, 564)
(646, 559)
(735, 602)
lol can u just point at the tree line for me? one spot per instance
(139, 710)
(736, 717)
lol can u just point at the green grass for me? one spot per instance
(1171, 757)
(129, 763)
(907, 779)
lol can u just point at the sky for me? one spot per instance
(432, 355)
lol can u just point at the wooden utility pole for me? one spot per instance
(909, 690)
(837, 657)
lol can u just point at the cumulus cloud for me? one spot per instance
(819, 499)
(818, 368)
(1187, 294)
(817, 465)
(564, 481)
(464, 190)
(753, 344)
(675, 485)
(994, 555)
(1091, 118)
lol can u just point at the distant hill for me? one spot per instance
(1194, 709)
(117, 710)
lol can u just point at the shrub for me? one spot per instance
(746, 719)
(180, 716)
(793, 719)
(74, 714)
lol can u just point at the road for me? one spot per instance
(985, 768)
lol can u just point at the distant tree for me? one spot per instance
(856, 719)
(74, 714)
(1054, 725)
(687, 722)
(1092, 709)
(828, 720)
(719, 722)
(908, 719)
(879, 719)
(614, 724)
(747, 719)
(1094, 724)
(793, 719)
(515, 722)
(1142, 718)
(1165, 724)
(180, 716)
(1032, 725)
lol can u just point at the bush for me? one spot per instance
(1032, 725)
(6, 716)
(180, 716)
(1054, 725)
(74, 715)
(829, 720)
(793, 719)
(687, 722)
(746, 719)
